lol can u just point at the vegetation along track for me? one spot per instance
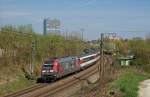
(27, 90)
(48, 90)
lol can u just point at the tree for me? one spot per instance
(16, 43)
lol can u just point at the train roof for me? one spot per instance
(86, 54)
(61, 59)
(69, 58)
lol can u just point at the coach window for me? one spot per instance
(67, 65)
(72, 63)
(63, 64)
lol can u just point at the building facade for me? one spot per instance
(51, 26)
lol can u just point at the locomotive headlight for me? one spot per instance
(43, 71)
(51, 71)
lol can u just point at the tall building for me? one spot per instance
(51, 26)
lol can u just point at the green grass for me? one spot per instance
(128, 83)
(15, 85)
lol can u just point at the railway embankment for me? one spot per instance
(125, 83)
(15, 85)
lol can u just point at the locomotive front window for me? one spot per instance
(48, 64)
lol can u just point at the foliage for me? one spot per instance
(16, 47)
(141, 50)
(128, 83)
(122, 46)
(138, 47)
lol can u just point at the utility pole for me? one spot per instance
(82, 31)
(66, 34)
(100, 65)
(102, 55)
(33, 53)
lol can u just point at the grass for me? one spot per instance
(15, 85)
(129, 81)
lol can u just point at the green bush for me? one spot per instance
(128, 83)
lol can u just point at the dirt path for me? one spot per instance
(144, 89)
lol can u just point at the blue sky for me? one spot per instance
(129, 18)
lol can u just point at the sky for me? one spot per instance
(127, 18)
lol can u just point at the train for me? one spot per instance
(56, 68)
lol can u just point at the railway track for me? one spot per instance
(49, 90)
(53, 91)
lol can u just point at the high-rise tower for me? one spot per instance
(51, 26)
